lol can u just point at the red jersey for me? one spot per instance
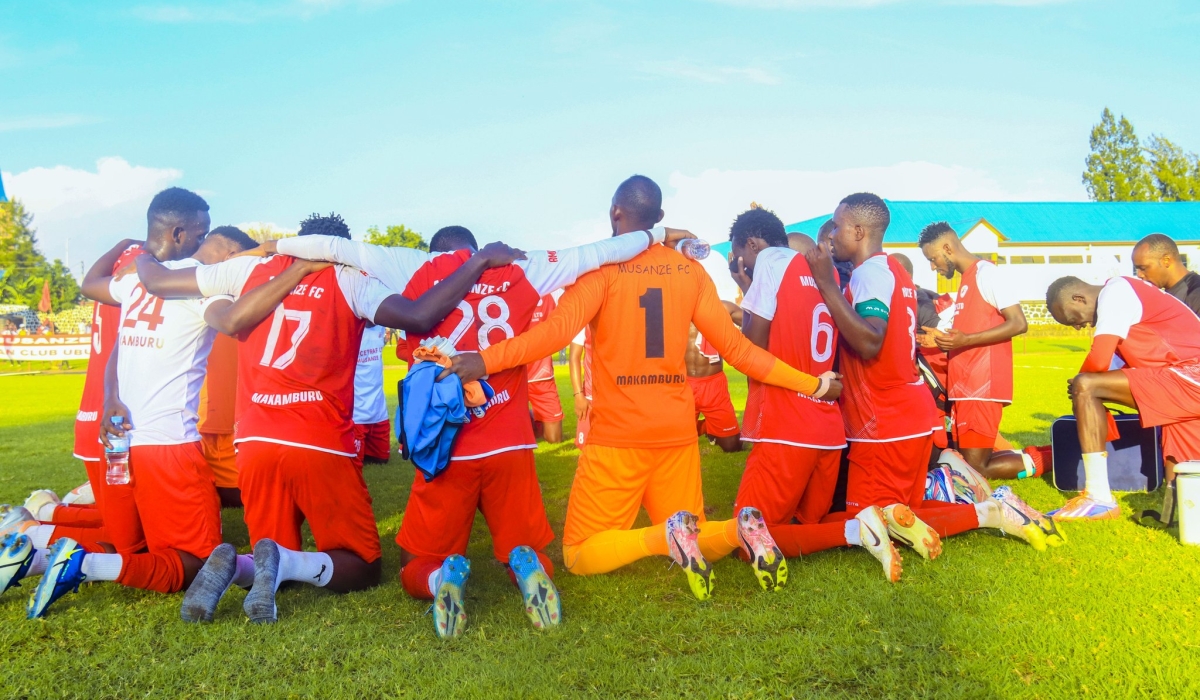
(803, 336)
(985, 372)
(541, 370)
(884, 399)
(1156, 329)
(499, 306)
(106, 321)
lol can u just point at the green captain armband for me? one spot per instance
(872, 307)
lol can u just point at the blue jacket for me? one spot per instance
(430, 415)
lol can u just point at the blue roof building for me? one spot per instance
(2, 197)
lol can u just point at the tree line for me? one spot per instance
(23, 268)
(1121, 168)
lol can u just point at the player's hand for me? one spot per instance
(830, 388)
(496, 254)
(467, 365)
(820, 261)
(582, 407)
(114, 408)
(951, 339)
(261, 251)
(674, 235)
(311, 266)
(737, 270)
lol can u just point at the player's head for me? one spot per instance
(1156, 260)
(176, 223)
(940, 244)
(451, 238)
(904, 261)
(1072, 302)
(801, 242)
(636, 205)
(752, 231)
(222, 243)
(331, 225)
(859, 223)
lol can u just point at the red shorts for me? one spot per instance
(504, 487)
(976, 423)
(883, 473)
(712, 400)
(220, 455)
(788, 482)
(283, 485)
(374, 440)
(87, 440)
(1171, 398)
(543, 396)
(177, 502)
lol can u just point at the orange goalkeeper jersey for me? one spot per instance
(639, 313)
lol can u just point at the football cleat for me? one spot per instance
(14, 519)
(64, 573)
(969, 485)
(16, 555)
(260, 601)
(543, 606)
(449, 613)
(1054, 537)
(939, 484)
(906, 528)
(80, 495)
(1084, 507)
(873, 536)
(200, 600)
(683, 528)
(770, 566)
(40, 499)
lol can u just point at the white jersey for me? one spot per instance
(370, 405)
(162, 354)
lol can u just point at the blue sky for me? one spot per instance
(519, 118)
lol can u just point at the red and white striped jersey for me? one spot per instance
(1155, 328)
(983, 372)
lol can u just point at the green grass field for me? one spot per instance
(1112, 614)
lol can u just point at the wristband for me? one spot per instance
(822, 387)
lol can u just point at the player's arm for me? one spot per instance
(392, 266)
(575, 362)
(863, 334)
(232, 317)
(578, 305)
(756, 329)
(166, 283)
(1014, 324)
(96, 281)
(548, 271)
(735, 312)
(113, 406)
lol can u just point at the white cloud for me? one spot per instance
(247, 12)
(93, 210)
(44, 122)
(710, 74)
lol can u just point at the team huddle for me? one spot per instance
(832, 334)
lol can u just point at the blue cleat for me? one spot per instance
(449, 614)
(939, 485)
(16, 555)
(64, 573)
(542, 604)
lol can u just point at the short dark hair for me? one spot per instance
(176, 203)
(825, 229)
(1160, 244)
(235, 235)
(934, 231)
(641, 198)
(869, 209)
(905, 262)
(1059, 288)
(331, 225)
(758, 223)
(450, 238)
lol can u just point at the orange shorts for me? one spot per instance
(883, 473)
(543, 396)
(1169, 397)
(787, 482)
(221, 457)
(612, 483)
(373, 440)
(282, 486)
(712, 400)
(976, 423)
(504, 487)
(177, 502)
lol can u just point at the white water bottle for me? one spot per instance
(693, 248)
(117, 456)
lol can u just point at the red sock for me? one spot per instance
(797, 540)
(88, 537)
(948, 518)
(546, 564)
(153, 571)
(415, 576)
(79, 516)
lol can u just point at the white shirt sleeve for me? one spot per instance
(873, 281)
(227, 277)
(1117, 308)
(581, 338)
(393, 267)
(762, 297)
(363, 292)
(548, 270)
(993, 286)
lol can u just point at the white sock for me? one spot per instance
(243, 576)
(37, 567)
(313, 568)
(102, 567)
(1095, 475)
(46, 512)
(988, 514)
(435, 581)
(39, 535)
(853, 534)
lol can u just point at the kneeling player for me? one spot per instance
(710, 389)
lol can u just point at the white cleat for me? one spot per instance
(873, 534)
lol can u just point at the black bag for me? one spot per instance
(1135, 460)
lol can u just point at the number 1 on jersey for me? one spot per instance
(652, 302)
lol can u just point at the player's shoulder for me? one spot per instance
(872, 269)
